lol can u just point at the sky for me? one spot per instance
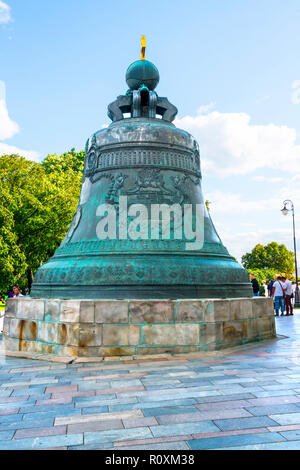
(231, 67)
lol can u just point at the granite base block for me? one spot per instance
(103, 328)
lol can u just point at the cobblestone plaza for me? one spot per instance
(247, 398)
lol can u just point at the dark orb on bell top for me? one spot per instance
(142, 72)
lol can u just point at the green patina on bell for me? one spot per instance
(147, 160)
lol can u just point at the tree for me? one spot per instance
(37, 203)
(273, 256)
(263, 274)
(12, 260)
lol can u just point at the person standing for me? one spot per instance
(262, 290)
(255, 285)
(17, 292)
(270, 287)
(288, 296)
(278, 292)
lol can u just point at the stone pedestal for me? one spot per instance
(134, 327)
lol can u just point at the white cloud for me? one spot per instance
(230, 145)
(242, 242)
(226, 202)
(8, 128)
(6, 149)
(245, 235)
(4, 12)
(295, 98)
(205, 108)
(267, 179)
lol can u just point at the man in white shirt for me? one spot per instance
(278, 292)
(288, 295)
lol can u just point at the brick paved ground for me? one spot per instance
(249, 399)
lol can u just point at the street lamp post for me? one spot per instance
(285, 211)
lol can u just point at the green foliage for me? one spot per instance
(272, 257)
(65, 162)
(263, 274)
(37, 202)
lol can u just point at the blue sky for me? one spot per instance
(230, 66)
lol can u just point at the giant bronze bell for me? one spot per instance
(144, 157)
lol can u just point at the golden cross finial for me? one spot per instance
(143, 50)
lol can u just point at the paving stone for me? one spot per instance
(218, 442)
(139, 422)
(56, 401)
(8, 411)
(153, 404)
(11, 418)
(6, 435)
(47, 408)
(94, 409)
(81, 393)
(273, 393)
(183, 428)
(223, 405)
(39, 432)
(95, 426)
(169, 410)
(116, 435)
(273, 409)
(114, 401)
(202, 416)
(42, 442)
(62, 389)
(244, 423)
(225, 397)
(28, 424)
(288, 418)
(50, 414)
(106, 446)
(94, 386)
(291, 435)
(273, 400)
(98, 417)
(237, 432)
(166, 446)
(286, 445)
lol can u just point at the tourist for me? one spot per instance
(278, 292)
(288, 295)
(255, 285)
(17, 292)
(262, 290)
(270, 287)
